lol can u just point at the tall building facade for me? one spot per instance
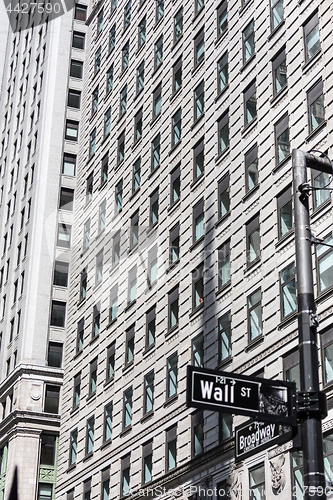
(37, 192)
(183, 241)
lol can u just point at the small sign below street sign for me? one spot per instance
(252, 437)
(263, 399)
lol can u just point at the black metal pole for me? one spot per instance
(311, 401)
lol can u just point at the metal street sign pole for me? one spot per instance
(311, 402)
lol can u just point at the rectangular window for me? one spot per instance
(316, 109)
(199, 101)
(73, 447)
(94, 104)
(54, 357)
(157, 101)
(136, 175)
(96, 320)
(129, 349)
(112, 38)
(311, 36)
(80, 335)
(72, 130)
(154, 208)
(89, 188)
(86, 234)
(113, 303)
(257, 482)
(148, 393)
(225, 427)
(285, 212)
(176, 128)
(198, 351)
(197, 287)
(291, 369)
(125, 56)
(47, 450)
(320, 196)
(224, 274)
(173, 302)
(223, 133)
(90, 435)
(93, 376)
(222, 73)
(101, 216)
(123, 100)
(140, 77)
(99, 267)
(327, 355)
(69, 164)
(224, 329)
(127, 408)
(158, 51)
(288, 291)
(222, 18)
(99, 22)
(254, 315)
(119, 195)
(51, 404)
(78, 40)
(250, 104)
(104, 169)
(178, 26)
(276, 13)
(171, 448)
(198, 159)
(152, 266)
(109, 79)
(121, 147)
(138, 125)
(279, 67)
(155, 149)
(125, 475)
(107, 430)
(134, 230)
(174, 244)
(127, 14)
(110, 361)
(58, 314)
(198, 221)
(60, 275)
(248, 42)
(142, 32)
(116, 248)
(77, 390)
(223, 196)
(177, 76)
(324, 255)
(131, 293)
(282, 142)
(107, 122)
(147, 462)
(150, 327)
(199, 48)
(80, 12)
(197, 423)
(175, 185)
(105, 494)
(251, 169)
(159, 9)
(253, 240)
(74, 98)
(76, 69)
(172, 375)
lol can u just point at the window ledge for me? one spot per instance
(250, 193)
(223, 289)
(80, 303)
(311, 62)
(128, 367)
(198, 67)
(149, 349)
(282, 93)
(197, 310)
(249, 267)
(254, 343)
(125, 431)
(198, 14)
(177, 42)
(250, 126)
(77, 354)
(158, 23)
(71, 467)
(151, 229)
(139, 49)
(197, 120)
(170, 400)
(176, 94)
(108, 382)
(287, 320)
(156, 70)
(155, 119)
(74, 410)
(113, 322)
(244, 7)
(221, 156)
(172, 330)
(105, 444)
(152, 172)
(225, 362)
(320, 208)
(121, 117)
(324, 294)
(221, 93)
(275, 30)
(136, 143)
(197, 181)
(91, 397)
(107, 136)
(147, 416)
(222, 219)
(133, 249)
(87, 456)
(172, 266)
(286, 238)
(174, 205)
(279, 165)
(221, 37)
(245, 65)
(197, 243)
(174, 147)
(315, 131)
(94, 339)
(134, 193)
(129, 305)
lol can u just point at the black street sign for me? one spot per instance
(252, 437)
(263, 399)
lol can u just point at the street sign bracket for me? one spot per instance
(311, 402)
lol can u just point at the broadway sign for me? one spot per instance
(253, 437)
(263, 399)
